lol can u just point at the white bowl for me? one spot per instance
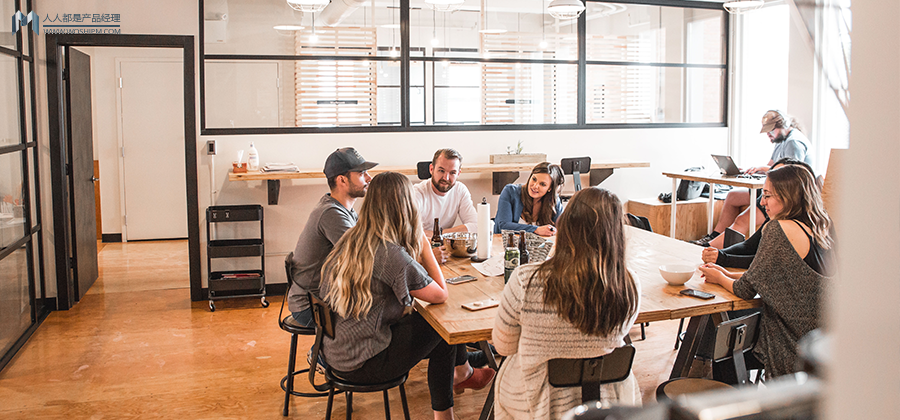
(675, 274)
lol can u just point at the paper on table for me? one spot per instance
(491, 267)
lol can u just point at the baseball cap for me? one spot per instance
(345, 160)
(772, 120)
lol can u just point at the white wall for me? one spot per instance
(864, 310)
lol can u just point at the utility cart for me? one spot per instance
(235, 283)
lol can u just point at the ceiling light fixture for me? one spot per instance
(444, 5)
(737, 7)
(311, 6)
(496, 28)
(288, 27)
(565, 9)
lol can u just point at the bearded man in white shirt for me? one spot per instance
(442, 197)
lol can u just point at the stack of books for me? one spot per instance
(280, 167)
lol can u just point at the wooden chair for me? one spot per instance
(590, 373)
(325, 321)
(733, 338)
(287, 323)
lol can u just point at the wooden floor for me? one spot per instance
(137, 347)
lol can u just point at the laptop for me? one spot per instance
(726, 164)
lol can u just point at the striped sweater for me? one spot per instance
(530, 335)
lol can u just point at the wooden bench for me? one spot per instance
(691, 216)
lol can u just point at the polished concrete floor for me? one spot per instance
(136, 347)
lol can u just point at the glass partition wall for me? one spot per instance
(23, 298)
(371, 65)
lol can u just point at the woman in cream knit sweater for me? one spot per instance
(578, 304)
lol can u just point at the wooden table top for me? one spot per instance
(411, 170)
(718, 179)
(646, 251)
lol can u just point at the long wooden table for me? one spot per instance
(750, 183)
(645, 252)
(502, 173)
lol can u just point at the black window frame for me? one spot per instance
(33, 234)
(404, 59)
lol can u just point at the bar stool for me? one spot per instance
(287, 323)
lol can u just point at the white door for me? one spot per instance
(152, 130)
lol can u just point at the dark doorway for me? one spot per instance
(74, 258)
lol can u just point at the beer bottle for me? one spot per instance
(510, 259)
(523, 248)
(436, 239)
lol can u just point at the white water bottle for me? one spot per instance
(253, 158)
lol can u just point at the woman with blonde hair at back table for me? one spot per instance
(790, 270)
(370, 279)
(580, 303)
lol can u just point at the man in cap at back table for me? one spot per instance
(347, 174)
(790, 142)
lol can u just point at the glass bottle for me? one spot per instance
(510, 259)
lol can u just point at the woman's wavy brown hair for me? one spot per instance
(796, 187)
(548, 201)
(388, 214)
(587, 282)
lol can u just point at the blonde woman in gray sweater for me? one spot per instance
(579, 303)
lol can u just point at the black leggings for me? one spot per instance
(412, 340)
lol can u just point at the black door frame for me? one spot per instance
(58, 181)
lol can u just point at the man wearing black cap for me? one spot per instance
(348, 179)
(790, 143)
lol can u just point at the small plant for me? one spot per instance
(514, 151)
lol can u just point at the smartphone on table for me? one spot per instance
(461, 279)
(697, 294)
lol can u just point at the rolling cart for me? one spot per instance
(229, 284)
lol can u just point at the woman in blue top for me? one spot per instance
(532, 207)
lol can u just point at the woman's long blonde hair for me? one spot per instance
(796, 187)
(388, 215)
(587, 282)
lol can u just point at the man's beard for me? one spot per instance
(357, 192)
(441, 188)
(779, 138)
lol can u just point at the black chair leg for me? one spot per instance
(349, 396)
(292, 359)
(678, 336)
(330, 404)
(403, 401)
(643, 333)
(387, 406)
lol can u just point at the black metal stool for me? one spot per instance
(288, 324)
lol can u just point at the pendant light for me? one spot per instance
(565, 9)
(737, 7)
